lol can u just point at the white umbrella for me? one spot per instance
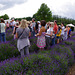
(71, 25)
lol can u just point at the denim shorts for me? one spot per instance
(58, 37)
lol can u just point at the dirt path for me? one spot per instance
(71, 71)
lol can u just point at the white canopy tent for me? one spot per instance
(71, 26)
(7, 20)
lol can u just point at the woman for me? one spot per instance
(2, 31)
(7, 25)
(22, 33)
(62, 32)
(41, 36)
(48, 35)
(65, 33)
(15, 28)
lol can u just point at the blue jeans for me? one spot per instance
(2, 37)
(53, 40)
(12, 27)
(33, 33)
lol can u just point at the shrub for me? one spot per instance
(7, 51)
(33, 48)
(54, 62)
(64, 54)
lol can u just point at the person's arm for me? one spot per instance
(29, 34)
(16, 35)
(14, 30)
(49, 34)
(39, 34)
(65, 30)
(5, 27)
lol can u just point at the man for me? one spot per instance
(13, 24)
(2, 31)
(33, 26)
(55, 29)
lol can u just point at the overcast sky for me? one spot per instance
(26, 8)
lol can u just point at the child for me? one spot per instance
(59, 33)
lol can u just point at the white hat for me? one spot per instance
(38, 21)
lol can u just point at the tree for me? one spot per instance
(43, 13)
(28, 18)
(4, 16)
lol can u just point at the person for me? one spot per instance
(33, 26)
(41, 36)
(58, 34)
(13, 24)
(7, 25)
(69, 32)
(29, 28)
(10, 24)
(39, 26)
(65, 33)
(2, 31)
(14, 30)
(55, 29)
(22, 33)
(48, 35)
(62, 32)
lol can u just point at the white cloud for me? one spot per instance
(10, 3)
(64, 8)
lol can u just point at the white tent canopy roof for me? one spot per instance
(70, 25)
(7, 20)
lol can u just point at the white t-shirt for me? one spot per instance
(33, 25)
(2, 27)
(62, 33)
(49, 31)
(13, 23)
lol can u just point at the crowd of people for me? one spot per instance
(46, 33)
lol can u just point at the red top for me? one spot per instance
(55, 29)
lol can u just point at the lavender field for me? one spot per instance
(55, 61)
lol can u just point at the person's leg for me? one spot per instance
(14, 37)
(53, 41)
(12, 28)
(46, 41)
(0, 38)
(1, 35)
(27, 50)
(22, 52)
(57, 40)
(4, 37)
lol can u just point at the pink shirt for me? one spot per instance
(7, 24)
